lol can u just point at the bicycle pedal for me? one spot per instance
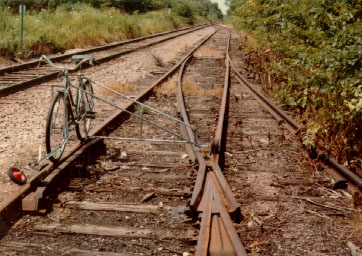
(90, 115)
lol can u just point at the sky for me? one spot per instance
(221, 4)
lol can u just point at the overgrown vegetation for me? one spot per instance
(202, 8)
(53, 26)
(310, 58)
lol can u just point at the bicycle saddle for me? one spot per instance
(75, 58)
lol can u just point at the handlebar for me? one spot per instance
(82, 59)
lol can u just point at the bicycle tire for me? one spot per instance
(85, 111)
(56, 127)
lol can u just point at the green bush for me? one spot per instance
(183, 9)
(314, 64)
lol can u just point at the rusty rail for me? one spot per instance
(220, 124)
(37, 187)
(212, 197)
(53, 74)
(87, 51)
(340, 171)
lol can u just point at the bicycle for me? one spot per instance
(66, 110)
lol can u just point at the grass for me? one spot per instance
(122, 88)
(172, 54)
(166, 56)
(169, 87)
(357, 223)
(157, 60)
(77, 26)
(210, 52)
(189, 88)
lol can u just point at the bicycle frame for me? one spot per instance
(74, 104)
(72, 112)
(196, 141)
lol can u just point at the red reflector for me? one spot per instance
(18, 174)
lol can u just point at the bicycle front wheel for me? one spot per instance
(56, 127)
(86, 110)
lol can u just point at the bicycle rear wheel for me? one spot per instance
(86, 110)
(56, 127)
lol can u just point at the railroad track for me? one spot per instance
(19, 77)
(339, 172)
(161, 177)
(126, 198)
(284, 194)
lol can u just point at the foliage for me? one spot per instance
(183, 8)
(208, 10)
(48, 22)
(314, 62)
(49, 31)
(124, 5)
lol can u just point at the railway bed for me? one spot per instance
(137, 202)
(21, 140)
(153, 198)
(22, 76)
(287, 202)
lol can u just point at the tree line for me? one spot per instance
(185, 8)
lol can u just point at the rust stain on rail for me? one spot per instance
(212, 196)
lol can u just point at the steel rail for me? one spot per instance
(331, 161)
(11, 207)
(186, 132)
(197, 191)
(211, 195)
(221, 228)
(293, 127)
(86, 51)
(53, 74)
(220, 123)
(196, 197)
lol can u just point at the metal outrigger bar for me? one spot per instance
(41, 160)
(197, 142)
(18, 176)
